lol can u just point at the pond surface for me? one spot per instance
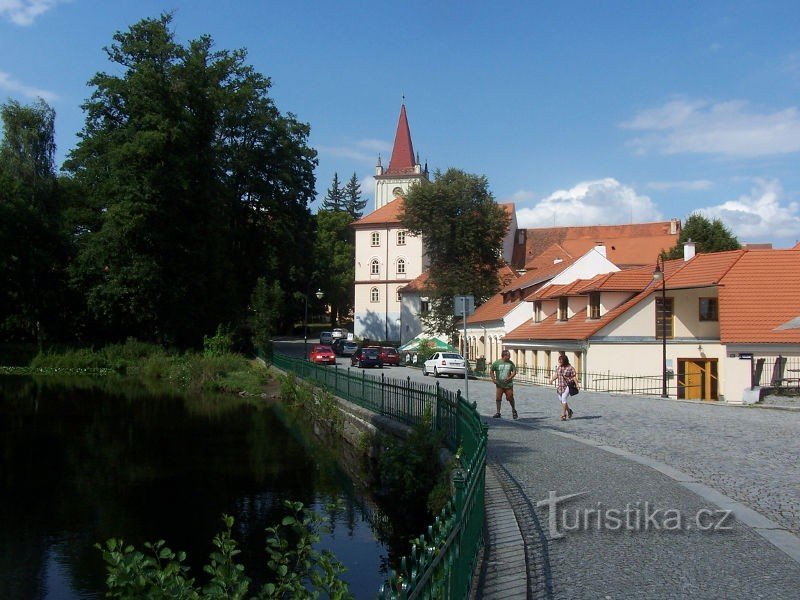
(80, 464)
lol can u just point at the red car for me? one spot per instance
(322, 355)
(390, 356)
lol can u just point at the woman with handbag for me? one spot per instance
(564, 376)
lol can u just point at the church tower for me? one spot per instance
(404, 167)
(387, 258)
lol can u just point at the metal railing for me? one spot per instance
(441, 561)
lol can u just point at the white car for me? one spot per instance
(444, 363)
(339, 333)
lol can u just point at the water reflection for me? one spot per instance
(84, 462)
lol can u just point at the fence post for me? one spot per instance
(383, 395)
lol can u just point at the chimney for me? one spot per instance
(688, 250)
(674, 226)
(600, 247)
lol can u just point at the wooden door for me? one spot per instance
(697, 379)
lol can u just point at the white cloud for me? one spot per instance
(363, 151)
(25, 12)
(763, 214)
(13, 86)
(689, 186)
(727, 128)
(605, 201)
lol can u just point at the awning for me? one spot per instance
(438, 344)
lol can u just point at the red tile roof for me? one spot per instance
(626, 245)
(388, 214)
(418, 285)
(758, 294)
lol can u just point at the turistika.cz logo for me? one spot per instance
(638, 516)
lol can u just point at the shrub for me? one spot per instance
(297, 569)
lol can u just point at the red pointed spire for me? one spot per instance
(402, 160)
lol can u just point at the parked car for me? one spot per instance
(390, 356)
(444, 363)
(322, 354)
(367, 357)
(339, 333)
(325, 337)
(348, 348)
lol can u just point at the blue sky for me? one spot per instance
(579, 112)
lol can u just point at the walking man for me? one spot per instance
(503, 373)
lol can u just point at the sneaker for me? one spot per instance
(496, 416)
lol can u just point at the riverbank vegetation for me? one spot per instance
(216, 369)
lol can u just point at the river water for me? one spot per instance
(84, 461)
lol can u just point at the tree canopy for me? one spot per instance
(463, 229)
(197, 186)
(708, 236)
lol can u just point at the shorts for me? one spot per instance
(563, 396)
(509, 392)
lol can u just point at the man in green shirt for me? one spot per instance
(503, 372)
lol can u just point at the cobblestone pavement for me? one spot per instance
(748, 454)
(655, 550)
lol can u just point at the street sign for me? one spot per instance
(745, 356)
(463, 304)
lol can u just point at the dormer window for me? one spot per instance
(594, 305)
(563, 309)
(537, 311)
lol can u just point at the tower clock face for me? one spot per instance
(398, 191)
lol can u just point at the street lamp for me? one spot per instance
(660, 275)
(319, 295)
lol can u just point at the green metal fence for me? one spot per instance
(442, 560)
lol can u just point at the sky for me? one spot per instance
(581, 113)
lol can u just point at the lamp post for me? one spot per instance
(660, 275)
(319, 295)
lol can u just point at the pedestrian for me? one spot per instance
(564, 374)
(503, 373)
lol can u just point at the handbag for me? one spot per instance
(573, 388)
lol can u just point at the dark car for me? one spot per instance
(337, 345)
(367, 357)
(390, 356)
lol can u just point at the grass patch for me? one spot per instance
(190, 371)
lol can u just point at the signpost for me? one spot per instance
(466, 305)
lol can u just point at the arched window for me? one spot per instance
(401, 266)
(376, 238)
(374, 295)
(374, 267)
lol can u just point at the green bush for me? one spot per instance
(296, 568)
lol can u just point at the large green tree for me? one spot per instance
(463, 229)
(334, 197)
(353, 203)
(33, 247)
(335, 248)
(199, 186)
(709, 235)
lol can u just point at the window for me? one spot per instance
(594, 305)
(563, 309)
(374, 267)
(664, 317)
(709, 309)
(376, 238)
(374, 295)
(537, 311)
(424, 306)
(401, 238)
(401, 266)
